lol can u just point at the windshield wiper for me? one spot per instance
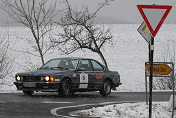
(57, 67)
(44, 67)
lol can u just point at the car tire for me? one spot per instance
(72, 93)
(106, 88)
(28, 93)
(65, 89)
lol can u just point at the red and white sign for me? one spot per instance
(154, 16)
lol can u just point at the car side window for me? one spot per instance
(85, 64)
(74, 63)
(96, 66)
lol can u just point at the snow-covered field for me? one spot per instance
(127, 56)
(128, 110)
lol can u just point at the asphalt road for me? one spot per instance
(50, 105)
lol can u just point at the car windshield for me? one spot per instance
(69, 64)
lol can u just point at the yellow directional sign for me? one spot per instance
(159, 69)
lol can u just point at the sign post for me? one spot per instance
(151, 76)
(146, 34)
(173, 81)
(154, 16)
(163, 69)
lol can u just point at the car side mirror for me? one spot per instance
(81, 69)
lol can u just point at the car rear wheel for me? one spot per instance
(28, 93)
(65, 89)
(106, 88)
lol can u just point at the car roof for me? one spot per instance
(72, 58)
(77, 58)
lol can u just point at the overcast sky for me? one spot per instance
(127, 10)
(119, 11)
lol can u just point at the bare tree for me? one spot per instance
(81, 32)
(38, 16)
(5, 57)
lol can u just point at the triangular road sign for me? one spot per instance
(154, 16)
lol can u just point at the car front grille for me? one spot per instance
(31, 78)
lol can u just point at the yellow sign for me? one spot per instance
(159, 69)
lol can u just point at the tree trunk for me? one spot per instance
(41, 56)
(38, 44)
(40, 52)
(42, 59)
(103, 59)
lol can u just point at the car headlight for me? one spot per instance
(47, 78)
(18, 78)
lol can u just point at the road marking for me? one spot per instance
(57, 102)
(54, 111)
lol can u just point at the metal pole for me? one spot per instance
(146, 88)
(149, 49)
(146, 92)
(151, 76)
(173, 78)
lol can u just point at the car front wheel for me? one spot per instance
(106, 88)
(28, 93)
(65, 89)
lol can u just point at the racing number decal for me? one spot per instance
(83, 80)
(99, 76)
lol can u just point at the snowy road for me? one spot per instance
(50, 105)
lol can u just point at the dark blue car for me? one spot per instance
(67, 76)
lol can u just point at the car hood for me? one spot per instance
(41, 72)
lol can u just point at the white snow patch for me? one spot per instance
(129, 110)
(8, 89)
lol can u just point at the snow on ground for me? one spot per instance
(128, 110)
(127, 56)
(8, 89)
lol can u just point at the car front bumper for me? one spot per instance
(37, 86)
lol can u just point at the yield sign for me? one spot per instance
(154, 16)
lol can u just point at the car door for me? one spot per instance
(98, 73)
(85, 74)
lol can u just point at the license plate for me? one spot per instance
(29, 84)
